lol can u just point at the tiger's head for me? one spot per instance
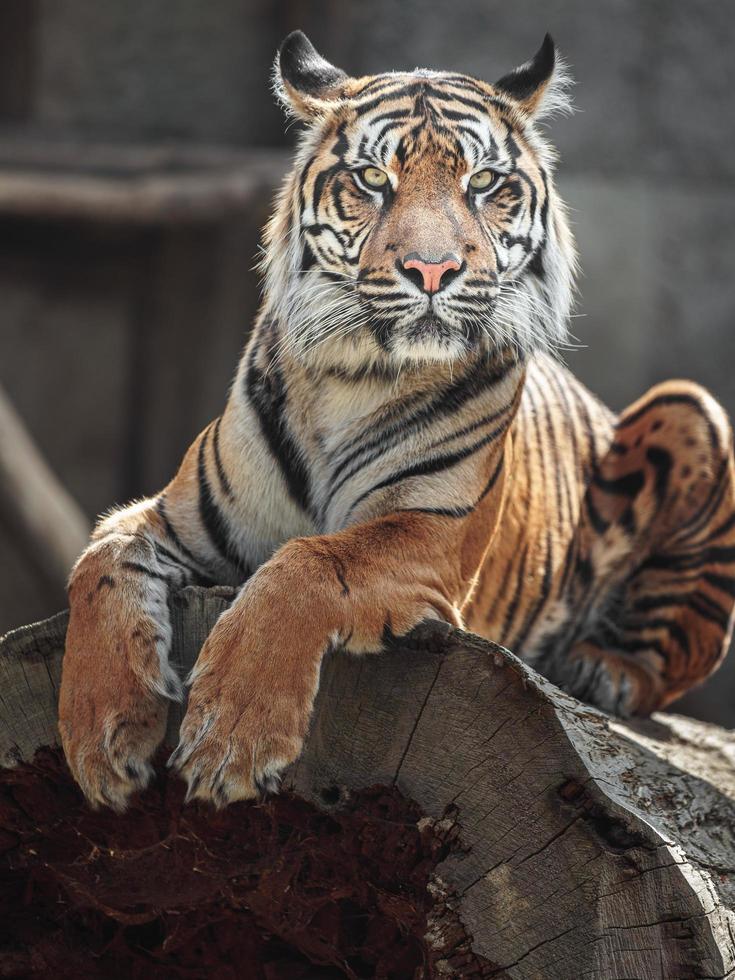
(420, 221)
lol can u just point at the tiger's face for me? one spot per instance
(420, 222)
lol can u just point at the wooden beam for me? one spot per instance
(132, 184)
(35, 509)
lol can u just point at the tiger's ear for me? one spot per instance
(539, 87)
(305, 83)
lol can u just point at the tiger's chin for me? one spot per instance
(429, 339)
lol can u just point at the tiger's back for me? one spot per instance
(602, 516)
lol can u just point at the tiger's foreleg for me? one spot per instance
(661, 536)
(254, 684)
(116, 677)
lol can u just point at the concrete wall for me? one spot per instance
(148, 69)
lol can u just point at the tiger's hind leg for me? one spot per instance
(659, 531)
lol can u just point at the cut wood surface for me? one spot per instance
(588, 846)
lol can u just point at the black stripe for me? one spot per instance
(660, 459)
(581, 398)
(680, 399)
(570, 560)
(471, 427)
(727, 525)
(520, 585)
(339, 149)
(660, 601)
(482, 376)
(672, 562)
(559, 472)
(568, 416)
(171, 532)
(640, 645)
(222, 476)
(720, 555)
(384, 130)
(169, 558)
(675, 631)
(596, 519)
(629, 485)
(543, 596)
(691, 560)
(212, 517)
(267, 394)
(700, 603)
(708, 609)
(392, 114)
(531, 391)
(424, 88)
(724, 583)
(135, 566)
(460, 511)
(428, 467)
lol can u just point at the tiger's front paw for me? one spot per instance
(246, 721)
(108, 750)
(115, 686)
(113, 709)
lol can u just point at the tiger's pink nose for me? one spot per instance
(429, 275)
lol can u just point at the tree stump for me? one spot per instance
(587, 846)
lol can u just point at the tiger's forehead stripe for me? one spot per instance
(370, 85)
(442, 88)
(473, 139)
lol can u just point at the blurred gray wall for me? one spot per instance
(647, 167)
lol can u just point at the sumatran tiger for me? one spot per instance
(402, 443)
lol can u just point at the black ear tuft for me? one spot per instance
(524, 81)
(304, 69)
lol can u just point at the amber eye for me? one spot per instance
(374, 177)
(482, 180)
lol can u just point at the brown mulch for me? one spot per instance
(278, 890)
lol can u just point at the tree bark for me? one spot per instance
(587, 846)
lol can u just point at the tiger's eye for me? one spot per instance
(482, 180)
(374, 177)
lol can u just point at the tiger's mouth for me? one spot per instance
(429, 337)
(429, 327)
(425, 331)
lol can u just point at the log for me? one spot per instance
(588, 847)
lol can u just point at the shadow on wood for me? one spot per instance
(590, 847)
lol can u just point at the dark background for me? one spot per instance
(139, 148)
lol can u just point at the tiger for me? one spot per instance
(403, 442)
